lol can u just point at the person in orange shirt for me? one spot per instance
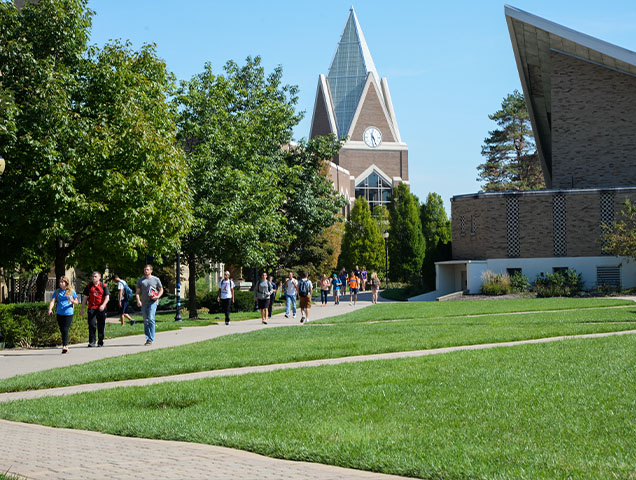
(354, 285)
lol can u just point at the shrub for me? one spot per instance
(243, 301)
(519, 283)
(495, 283)
(566, 284)
(30, 325)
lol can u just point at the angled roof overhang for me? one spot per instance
(533, 39)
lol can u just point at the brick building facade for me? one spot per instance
(581, 99)
(352, 101)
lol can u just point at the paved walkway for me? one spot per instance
(20, 361)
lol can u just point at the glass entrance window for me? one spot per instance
(375, 190)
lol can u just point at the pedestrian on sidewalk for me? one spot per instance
(337, 285)
(65, 297)
(262, 292)
(274, 288)
(226, 295)
(363, 278)
(96, 294)
(325, 285)
(354, 285)
(344, 278)
(375, 286)
(125, 294)
(305, 289)
(291, 289)
(149, 291)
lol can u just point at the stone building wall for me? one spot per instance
(593, 118)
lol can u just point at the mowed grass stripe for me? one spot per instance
(300, 343)
(561, 410)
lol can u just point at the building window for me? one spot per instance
(462, 225)
(513, 271)
(560, 238)
(607, 217)
(561, 270)
(473, 225)
(512, 227)
(375, 189)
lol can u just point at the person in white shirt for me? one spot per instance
(291, 289)
(226, 295)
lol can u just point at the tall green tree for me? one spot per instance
(407, 245)
(255, 193)
(436, 228)
(95, 177)
(362, 242)
(512, 162)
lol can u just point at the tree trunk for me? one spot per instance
(192, 286)
(60, 259)
(40, 286)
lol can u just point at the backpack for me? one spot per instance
(128, 293)
(303, 288)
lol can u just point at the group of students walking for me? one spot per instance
(356, 281)
(96, 296)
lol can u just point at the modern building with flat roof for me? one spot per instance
(581, 98)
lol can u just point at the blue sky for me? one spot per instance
(448, 64)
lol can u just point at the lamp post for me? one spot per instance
(386, 258)
(177, 317)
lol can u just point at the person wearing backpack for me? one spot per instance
(65, 297)
(273, 287)
(96, 295)
(226, 295)
(304, 292)
(125, 295)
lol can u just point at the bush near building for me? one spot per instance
(558, 284)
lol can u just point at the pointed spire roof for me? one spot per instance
(348, 72)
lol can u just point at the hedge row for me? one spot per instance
(30, 325)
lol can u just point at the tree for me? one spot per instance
(96, 178)
(254, 193)
(512, 162)
(406, 241)
(436, 229)
(619, 238)
(362, 242)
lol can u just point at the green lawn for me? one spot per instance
(563, 410)
(344, 337)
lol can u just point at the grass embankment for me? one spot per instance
(563, 410)
(363, 332)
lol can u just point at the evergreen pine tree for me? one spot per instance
(362, 242)
(406, 242)
(436, 229)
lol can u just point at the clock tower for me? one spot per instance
(353, 102)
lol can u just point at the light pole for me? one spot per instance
(386, 258)
(177, 317)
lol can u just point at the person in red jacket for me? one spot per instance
(96, 294)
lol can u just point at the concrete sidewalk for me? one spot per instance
(20, 361)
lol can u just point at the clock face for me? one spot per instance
(372, 137)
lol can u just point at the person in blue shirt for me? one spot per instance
(65, 297)
(337, 285)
